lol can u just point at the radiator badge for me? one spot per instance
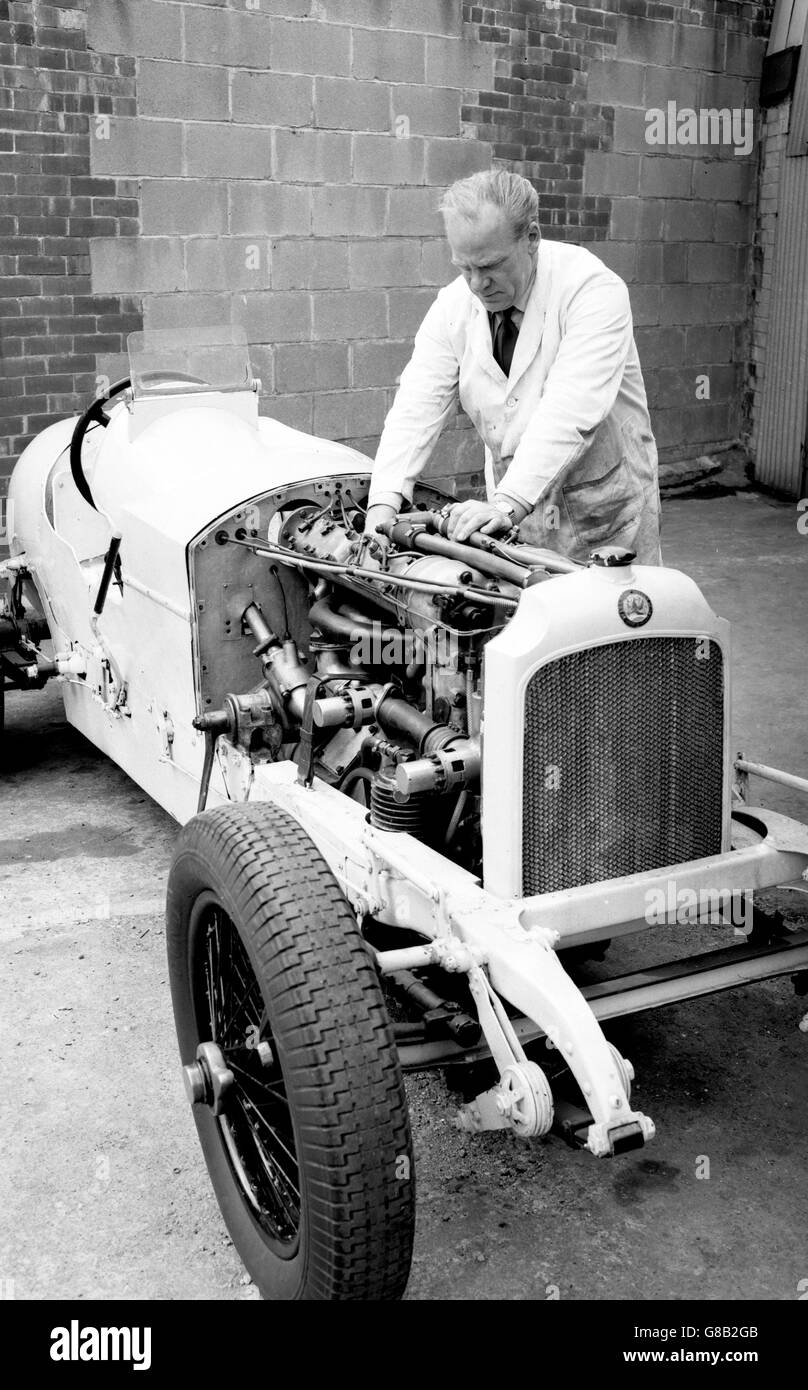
(634, 607)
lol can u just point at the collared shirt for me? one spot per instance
(517, 313)
(517, 309)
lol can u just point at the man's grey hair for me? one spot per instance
(500, 188)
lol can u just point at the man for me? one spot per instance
(535, 338)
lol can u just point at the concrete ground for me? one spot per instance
(103, 1191)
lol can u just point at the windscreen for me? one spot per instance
(172, 361)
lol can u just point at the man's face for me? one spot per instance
(496, 267)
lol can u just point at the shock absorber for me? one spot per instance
(441, 1017)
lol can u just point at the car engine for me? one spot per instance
(371, 654)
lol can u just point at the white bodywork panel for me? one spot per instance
(157, 481)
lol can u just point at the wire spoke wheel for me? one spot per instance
(257, 1125)
(289, 1060)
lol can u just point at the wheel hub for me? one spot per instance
(208, 1079)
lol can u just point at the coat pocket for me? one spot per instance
(604, 495)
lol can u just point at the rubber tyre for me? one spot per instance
(332, 1042)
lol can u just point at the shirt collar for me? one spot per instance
(522, 302)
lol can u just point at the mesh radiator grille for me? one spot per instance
(623, 761)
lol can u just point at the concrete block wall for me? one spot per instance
(281, 161)
(773, 145)
(572, 91)
(689, 271)
(290, 160)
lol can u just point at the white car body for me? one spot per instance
(164, 473)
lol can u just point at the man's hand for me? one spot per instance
(465, 517)
(376, 515)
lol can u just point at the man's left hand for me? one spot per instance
(465, 517)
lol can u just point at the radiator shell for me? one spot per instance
(599, 806)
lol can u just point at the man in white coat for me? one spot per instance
(535, 338)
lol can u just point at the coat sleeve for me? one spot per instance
(425, 399)
(580, 388)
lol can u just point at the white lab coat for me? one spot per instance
(567, 434)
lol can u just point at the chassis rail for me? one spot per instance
(652, 987)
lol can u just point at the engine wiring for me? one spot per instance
(357, 572)
(346, 519)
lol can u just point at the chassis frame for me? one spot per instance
(508, 947)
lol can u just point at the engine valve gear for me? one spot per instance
(451, 767)
(350, 709)
(388, 812)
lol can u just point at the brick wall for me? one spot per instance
(281, 159)
(53, 320)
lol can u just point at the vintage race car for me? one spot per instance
(416, 780)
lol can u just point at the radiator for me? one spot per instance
(623, 761)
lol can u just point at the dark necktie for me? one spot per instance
(505, 341)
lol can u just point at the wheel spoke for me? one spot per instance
(273, 1121)
(245, 1100)
(250, 988)
(239, 968)
(257, 1125)
(258, 1081)
(274, 1187)
(210, 985)
(221, 977)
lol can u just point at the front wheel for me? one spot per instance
(289, 1059)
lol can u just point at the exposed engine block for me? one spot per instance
(374, 681)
